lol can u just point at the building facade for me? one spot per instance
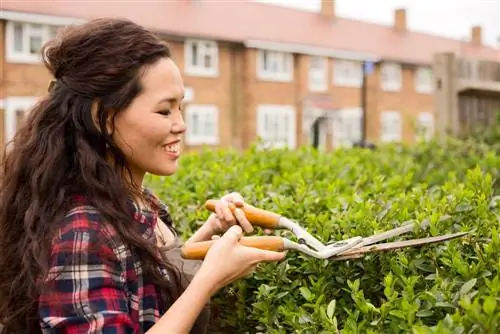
(249, 77)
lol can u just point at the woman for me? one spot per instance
(81, 239)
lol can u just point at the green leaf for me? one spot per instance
(306, 293)
(468, 286)
(489, 305)
(330, 310)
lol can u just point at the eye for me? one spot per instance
(165, 112)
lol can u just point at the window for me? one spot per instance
(425, 126)
(276, 126)
(347, 127)
(274, 65)
(318, 69)
(25, 40)
(391, 77)
(423, 80)
(391, 126)
(15, 110)
(202, 58)
(202, 125)
(348, 73)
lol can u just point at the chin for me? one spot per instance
(164, 170)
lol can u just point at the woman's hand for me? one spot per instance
(223, 218)
(227, 260)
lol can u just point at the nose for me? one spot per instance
(178, 125)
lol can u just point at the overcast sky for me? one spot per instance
(452, 18)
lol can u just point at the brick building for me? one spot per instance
(256, 70)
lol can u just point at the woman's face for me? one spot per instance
(149, 131)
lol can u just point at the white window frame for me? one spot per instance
(280, 113)
(13, 56)
(318, 76)
(348, 73)
(10, 105)
(349, 119)
(391, 76)
(200, 69)
(282, 60)
(204, 112)
(423, 80)
(425, 123)
(393, 120)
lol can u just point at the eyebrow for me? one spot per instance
(170, 99)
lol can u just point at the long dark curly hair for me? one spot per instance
(60, 152)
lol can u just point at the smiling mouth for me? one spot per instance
(173, 148)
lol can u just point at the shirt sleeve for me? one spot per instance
(84, 290)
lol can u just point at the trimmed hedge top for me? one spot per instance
(452, 287)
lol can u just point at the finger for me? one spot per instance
(218, 211)
(243, 221)
(228, 216)
(269, 256)
(218, 226)
(238, 199)
(234, 233)
(235, 198)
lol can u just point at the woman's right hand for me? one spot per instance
(227, 260)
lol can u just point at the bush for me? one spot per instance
(452, 287)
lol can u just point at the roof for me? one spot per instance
(245, 20)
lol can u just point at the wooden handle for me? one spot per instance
(198, 250)
(255, 216)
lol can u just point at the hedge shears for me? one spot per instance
(352, 248)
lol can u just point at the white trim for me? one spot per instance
(39, 18)
(28, 30)
(200, 69)
(420, 86)
(311, 50)
(424, 126)
(318, 77)
(289, 121)
(287, 73)
(393, 120)
(347, 128)
(204, 112)
(395, 72)
(10, 105)
(355, 73)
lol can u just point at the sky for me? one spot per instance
(451, 18)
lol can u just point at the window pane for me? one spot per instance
(194, 54)
(18, 37)
(195, 127)
(35, 44)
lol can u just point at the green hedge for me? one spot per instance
(446, 288)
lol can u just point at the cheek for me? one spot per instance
(140, 134)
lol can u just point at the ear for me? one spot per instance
(93, 110)
(109, 122)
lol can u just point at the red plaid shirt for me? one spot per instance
(97, 285)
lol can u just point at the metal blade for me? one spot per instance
(406, 228)
(355, 253)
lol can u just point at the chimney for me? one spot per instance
(328, 9)
(476, 35)
(400, 20)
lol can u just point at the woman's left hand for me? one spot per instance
(223, 218)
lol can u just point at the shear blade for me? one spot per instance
(354, 253)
